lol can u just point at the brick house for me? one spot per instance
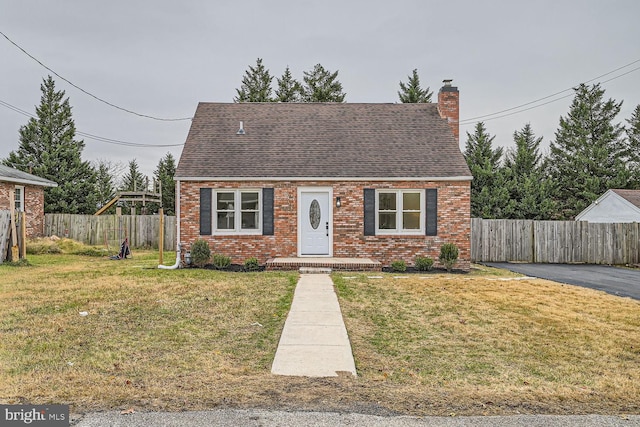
(28, 193)
(345, 180)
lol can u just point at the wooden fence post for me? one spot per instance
(14, 231)
(23, 235)
(161, 234)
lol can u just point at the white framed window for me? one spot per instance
(19, 198)
(400, 212)
(237, 211)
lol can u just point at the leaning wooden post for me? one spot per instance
(13, 230)
(23, 235)
(161, 236)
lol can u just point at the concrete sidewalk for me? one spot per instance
(314, 341)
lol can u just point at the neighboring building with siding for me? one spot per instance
(28, 191)
(380, 181)
(613, 206)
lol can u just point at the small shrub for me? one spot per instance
(221, 261)
(448, 255)
(423, 263)
(399, 266)
(251, 264)
(200, 253)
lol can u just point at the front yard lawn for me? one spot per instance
(102, 334)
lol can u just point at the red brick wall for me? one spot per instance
(34, 206)
(5, 187)
(454, 223)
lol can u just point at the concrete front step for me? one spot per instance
(332, 264)
(314, 270)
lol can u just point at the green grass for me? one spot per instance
(478, 343)
(494, 336)
(144, 325)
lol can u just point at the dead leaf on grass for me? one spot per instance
(127, 411)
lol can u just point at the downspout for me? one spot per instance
(174, 266)
(178, 203)
(177, 264)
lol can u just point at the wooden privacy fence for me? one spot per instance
(143, 231)
(561, 242)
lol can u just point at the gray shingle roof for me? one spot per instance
(320, 140)
(16, 176)
(632, 196)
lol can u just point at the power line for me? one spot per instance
(125, 143)
(499, 114)
(89, 93)
(517, 112)
(16, 109)
(89, 135)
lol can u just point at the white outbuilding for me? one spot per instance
(613, 206)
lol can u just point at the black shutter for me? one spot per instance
(369, 212)
(432, 212)
(267, 211)
(205, 211)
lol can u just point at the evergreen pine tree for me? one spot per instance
(256, 85)
(164, 173)
(526, 158)
(289, 90)
(589, 153)
(412, 93)
(530, 191)
(133, 179)
(321, 85)
(489, 196)
(105, 183)
(633, 138)
(48, 149)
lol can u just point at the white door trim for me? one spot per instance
(302, 190)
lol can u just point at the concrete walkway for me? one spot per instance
(314, 341)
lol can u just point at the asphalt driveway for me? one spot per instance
(613, 280)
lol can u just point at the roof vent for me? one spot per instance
(447, 82)
(241, 130)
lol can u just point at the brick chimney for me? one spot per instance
(449, 106)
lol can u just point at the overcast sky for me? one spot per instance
(160, 58)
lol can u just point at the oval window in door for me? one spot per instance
(314, 214)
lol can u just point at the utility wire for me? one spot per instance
(125, 143)
(500, 115)
(89, 93)
(16, 109)
(89, 135)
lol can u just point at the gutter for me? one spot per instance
(177, 264)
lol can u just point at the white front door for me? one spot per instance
(314, 222)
